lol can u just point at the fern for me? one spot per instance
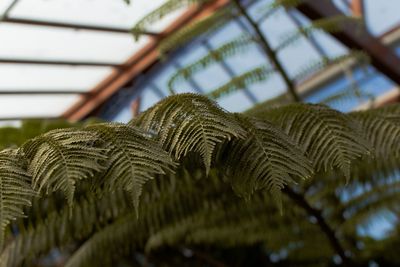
(266, 158)
(61, 158)
(381, 128)
(193, 30)
(162, 11)
(319, 64)
(228, 49)
(331, 25)
(330, 138)
(252, 155)
(188, 122)
(15, 190)
(134, 160)
(258, 74)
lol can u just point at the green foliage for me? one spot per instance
(331, 25)
(242, 81)
(168, 7)
(337, 145)
(15, 192)
(223, 52)
(189, 123)
(265, 158)
(60, 158)
(191, 31)
(257, 156)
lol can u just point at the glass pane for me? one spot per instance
(4, 4)
(65, 44)
(29, 77)
(381, 16)
(113, 13)
(35, 106)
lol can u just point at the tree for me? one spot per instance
(290, 184)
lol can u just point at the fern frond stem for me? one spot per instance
(269, 51)
(323, 225)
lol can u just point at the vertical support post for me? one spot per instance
(269, 51)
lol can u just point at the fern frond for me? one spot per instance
(276, 102)
(188, 33)
(265, 158)
(323, 62)
(285, 3)
(15, 189)
(331, 25)
(226, 50)
(161, 12)
(256, 75)
(134, 158)
(62, 227)
(330, 138)
(61, 158)
(189, 123)
(381, 127)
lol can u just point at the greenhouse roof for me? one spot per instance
(55, 54)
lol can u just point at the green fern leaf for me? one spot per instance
(61, 158)
(330, 138)
(331, 25)
(226, 50)
(265, 158)
(15, 189)
(194, 30)
(240, 82)
(189, 122)
(381, 127)
(323, 62)
(134, 158)
(161, 12)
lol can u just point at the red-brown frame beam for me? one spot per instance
(138, 63)
(353, 36)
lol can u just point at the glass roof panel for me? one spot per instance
(35, 106)
(47, 43)
(4, 4)
(32, 77)
(113, 13)
(381, 16)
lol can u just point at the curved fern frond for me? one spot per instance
(188, 33)
(381, 127)
(15, 189)
(189, 122)
(331, 25)
(226, 50)
(265, 158)
(330, 138)
(256, 75)
(161, 12)
(61, 227)
(285, 3)
(323, 62)
(134, 158)
(61, 158)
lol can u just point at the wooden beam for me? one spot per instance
(353, 36)
(138, 63)
(357, 8)
(135, 106)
